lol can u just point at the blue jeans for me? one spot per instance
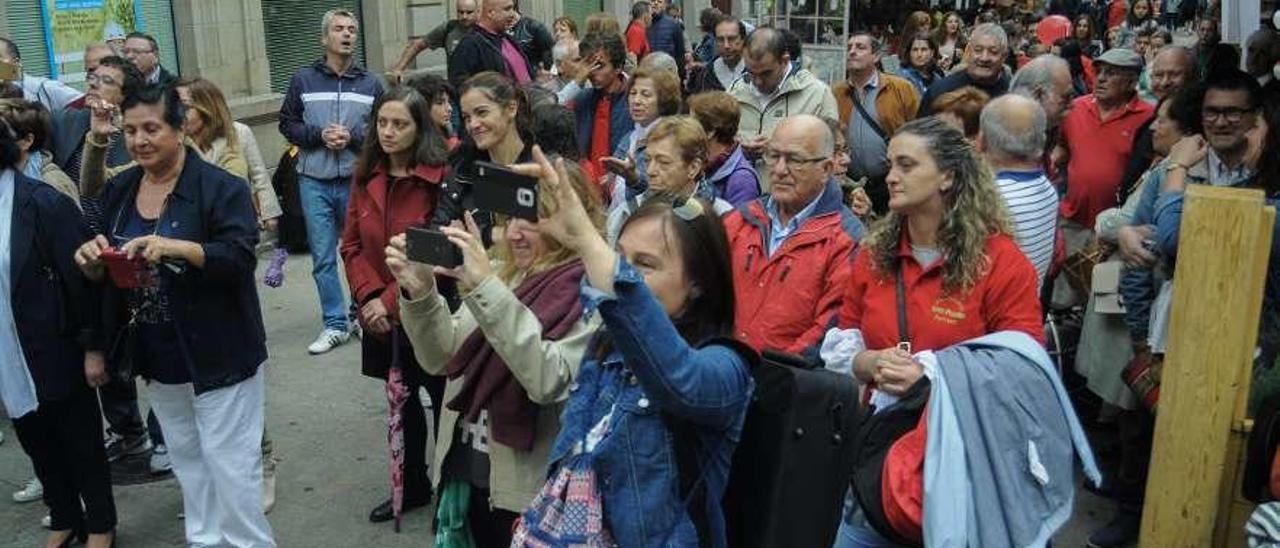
(324, 206)
(854, 531)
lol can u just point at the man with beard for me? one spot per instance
(988, 47)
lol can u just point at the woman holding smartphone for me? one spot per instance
(510, 353)
(498, 120)
(192, 327)
(396, 185)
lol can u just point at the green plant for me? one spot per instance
(120, 11)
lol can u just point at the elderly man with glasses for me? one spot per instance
(792, 248)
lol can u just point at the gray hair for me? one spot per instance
(877, 47)
(562, 48)
(660, 60)
(991, 30)
(327, 20)
(1037, 75)
(1181, 52)
(1013, 128)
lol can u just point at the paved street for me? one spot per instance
(328, 423)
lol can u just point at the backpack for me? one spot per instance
(793, 462)
(293, 224)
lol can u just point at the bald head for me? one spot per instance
(1171, 70)
(1046, 79)
(1012, 131)
(799, 159)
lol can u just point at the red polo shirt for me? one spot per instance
(1004, 298)
(1099, 151)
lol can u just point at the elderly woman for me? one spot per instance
(675, 158)
(510, 353)
(654, 93)
(52, 362)
(729, 172)
(188, 319)
(960, 275)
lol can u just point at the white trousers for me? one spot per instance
(214, 442)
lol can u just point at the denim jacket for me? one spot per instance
(650, 372)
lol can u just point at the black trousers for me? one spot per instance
(490, 527)
(1136, 429)
(120, 408)
(414, 418)
(64, 441)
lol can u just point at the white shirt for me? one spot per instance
(54, 95)
(16, 387)
(728, 75)
(1033, 207)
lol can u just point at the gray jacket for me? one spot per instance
(999, 467)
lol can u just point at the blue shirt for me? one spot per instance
(778, 232)
(17, 389)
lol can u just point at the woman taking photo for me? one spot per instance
(947, 237)
(510, 353)
(396, 185)
(192, 326)
(922, 62)
(664, 358)
(53, 363)
(653, 94)
(674, 159)
(496, 115)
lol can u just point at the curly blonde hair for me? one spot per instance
(974, 210)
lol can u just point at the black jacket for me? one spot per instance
(535, 41)
(481, 51)
(216, 311)
(53, 304)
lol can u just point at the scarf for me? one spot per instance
(553, 296)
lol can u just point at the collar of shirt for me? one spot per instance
(872, 83)
(1129, 108)
(778, 232)
(1222, 175)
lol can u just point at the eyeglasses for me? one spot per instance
(1230, 114)
(772, 157)
(94, 78)
(135, 51)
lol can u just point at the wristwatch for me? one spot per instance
(1175, 165)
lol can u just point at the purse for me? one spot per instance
(1142, 375)
(1078, 268)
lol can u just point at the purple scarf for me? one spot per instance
(553, 296)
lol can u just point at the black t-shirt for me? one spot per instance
(468, 457)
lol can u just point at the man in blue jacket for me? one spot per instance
(326, 114)
(666, 34)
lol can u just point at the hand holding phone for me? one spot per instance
(431, 246)
(501, 190)
(125, 273)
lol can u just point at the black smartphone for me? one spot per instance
(501, 190)
(430, 246)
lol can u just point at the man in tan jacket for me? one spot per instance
(873, 105)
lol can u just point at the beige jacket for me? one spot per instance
(544, 368)
(264, 196)
(800, 93)
(53, 176)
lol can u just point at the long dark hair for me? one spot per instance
(926, 72)
(432, 88)
(1269, 163)
(704, 248)
(429, 147)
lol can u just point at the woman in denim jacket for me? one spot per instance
(668, 286)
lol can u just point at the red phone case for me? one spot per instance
(125, 273)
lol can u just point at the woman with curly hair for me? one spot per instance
(946, 242)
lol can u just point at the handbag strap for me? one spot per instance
(875, 126)
(904, 336)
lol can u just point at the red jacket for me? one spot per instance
(787, 301)
(1005, 297)
(370, 224)
(637, 41)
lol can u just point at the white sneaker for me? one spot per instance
(160, 460)
(328, 340)
(32, 492)
(46, 521)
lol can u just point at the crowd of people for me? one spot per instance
(700, 204)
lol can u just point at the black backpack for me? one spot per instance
(292, 223)
(794, 460)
